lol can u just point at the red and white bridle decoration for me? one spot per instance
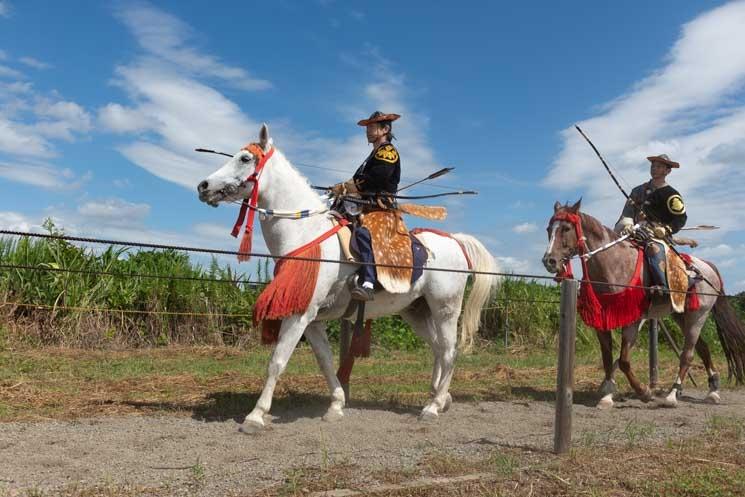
(576, 221)
(252, 202)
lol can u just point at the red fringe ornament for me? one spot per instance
(288, 293)
(608, 311)
(692, 302)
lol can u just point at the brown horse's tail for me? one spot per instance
(732, 337)
(731, 332)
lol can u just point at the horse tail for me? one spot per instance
(731, 333)
(481, 260)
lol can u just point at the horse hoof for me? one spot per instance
(249, 427)
(670, 401)
(646, 396)
(713, 398)
(448, 403)
(333, 415)
(606, 402)
(427, 416)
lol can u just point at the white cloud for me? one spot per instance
(15, 221)
(510, 264)
(30, 122)
(4, 9)
(164, 36)
(525, 228)
(35, 63)
(44, 176)
(122, 183)
(721, 250)
(7, 72)
(114, 211)
(688, 109)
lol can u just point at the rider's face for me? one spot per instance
(375, 131)
(658, 170)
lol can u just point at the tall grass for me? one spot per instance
(60, 290)
(527, 310)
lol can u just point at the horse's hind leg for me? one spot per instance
(316, 335)
(628, 338)
(692, 324)
(289, 335)
(702, 348)
(608, 387)
(420, 319)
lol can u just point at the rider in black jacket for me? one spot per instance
(378, 175)
(660, 211)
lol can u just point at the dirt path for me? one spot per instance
(172, 451)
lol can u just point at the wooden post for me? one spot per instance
(653, 362)
(506, 328)
(345, 342)
(565, 371)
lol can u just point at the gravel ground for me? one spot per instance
(171, 451)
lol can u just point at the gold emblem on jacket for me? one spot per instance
(387, 153)
(675, 205)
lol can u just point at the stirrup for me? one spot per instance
(363, 294)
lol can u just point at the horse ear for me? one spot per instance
(557, 206)
(264, 138)
(575, 207)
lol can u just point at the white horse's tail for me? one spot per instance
(481, 260)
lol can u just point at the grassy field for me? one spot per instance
(63, 383)
(53, 383)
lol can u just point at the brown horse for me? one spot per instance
(572, 233)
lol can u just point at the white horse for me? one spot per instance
(432, 306)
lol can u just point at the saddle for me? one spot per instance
(391, 244)
(677, 279)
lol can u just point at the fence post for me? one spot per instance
(565, 371)
(653, 361)
(345, 342)
(506, 328)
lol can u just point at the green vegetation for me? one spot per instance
(74, 309)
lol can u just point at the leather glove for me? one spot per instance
(627, 230)
(339, 189)
(345, 188)
(660, 231)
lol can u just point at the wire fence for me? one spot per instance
(270, 256)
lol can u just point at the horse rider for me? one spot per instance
(660, 211)
(375, 180)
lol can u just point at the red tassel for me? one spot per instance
(291, 290)
(360, 346)
(245, 247)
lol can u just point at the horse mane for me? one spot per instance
(595, 227)
(297, 172)
(590, 225)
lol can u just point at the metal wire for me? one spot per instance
(122, 311)
(333, 261)
(133, 275)
(266, 256)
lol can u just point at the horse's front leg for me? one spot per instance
(628, 338)
(608, 387)
(289, 336)
(316, 335)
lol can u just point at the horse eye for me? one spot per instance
(245, 158)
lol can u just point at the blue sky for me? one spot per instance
(101, 104)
